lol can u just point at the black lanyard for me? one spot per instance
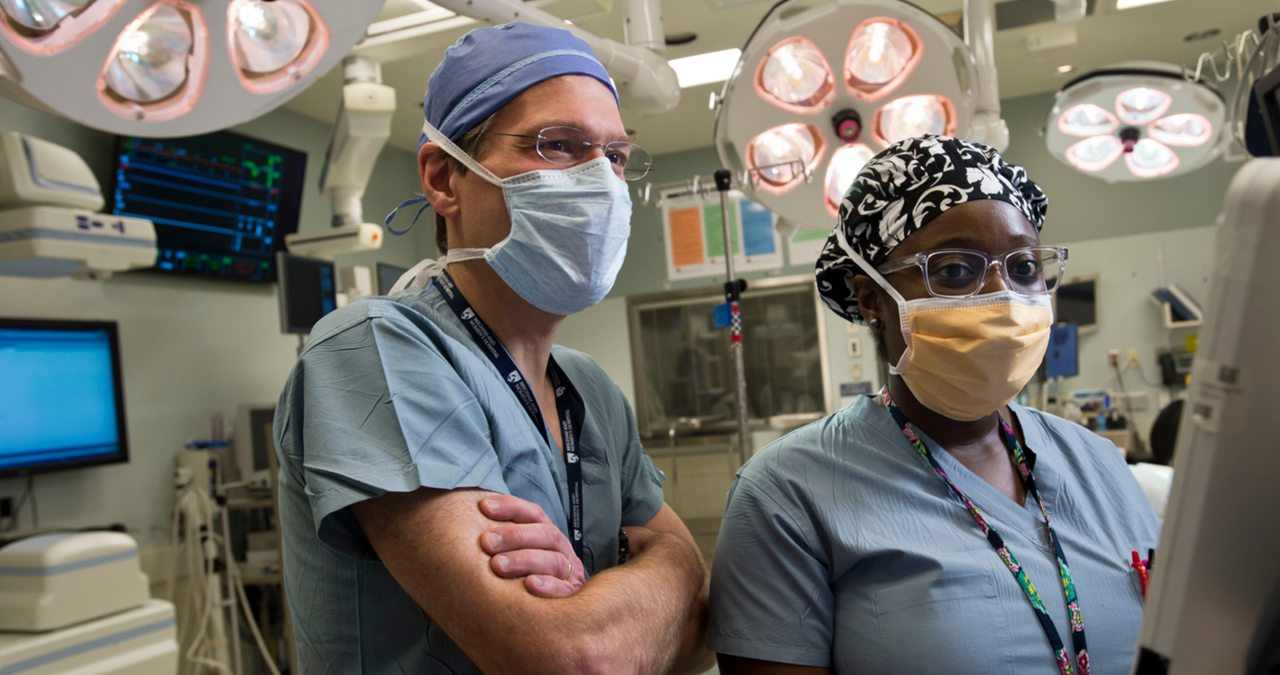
(569, 404)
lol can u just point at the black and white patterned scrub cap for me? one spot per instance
(903, 188)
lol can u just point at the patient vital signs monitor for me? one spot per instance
(221, 203)
(62, 401)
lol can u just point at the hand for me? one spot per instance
(530, 546)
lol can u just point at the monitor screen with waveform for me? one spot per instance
(221, 203)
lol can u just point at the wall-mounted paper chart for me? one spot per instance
(694, 238)
(805, 245)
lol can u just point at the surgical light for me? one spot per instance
(150, 59)
(913, 116)
(1087, 119)
(692, 71)
(784, 154)
(795, 76)
(882, 53)
(1150, 159)
(1161, 123)
(1141, 105)
(1130, 4)
(41, 15)
(824, 85)
(845, 164)
(171, 67)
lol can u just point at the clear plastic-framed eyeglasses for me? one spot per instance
(566, 146)
(961, 273)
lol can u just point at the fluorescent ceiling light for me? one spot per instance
(1130, 4)
(705, 68)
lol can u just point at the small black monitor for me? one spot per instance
(1266, 91)
(307, 291)
(1076, 301)
(388, 275)
(62, 397)
(221, 203)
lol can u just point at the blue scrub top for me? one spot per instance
(842, 548)
(391, 394)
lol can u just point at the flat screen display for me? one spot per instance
(307, 291)
(62, 403)
(1077, 303)
(388, 275)
(221, 203)
(1062, 359)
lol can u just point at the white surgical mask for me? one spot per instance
(569, 231)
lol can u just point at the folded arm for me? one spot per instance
(629, 619)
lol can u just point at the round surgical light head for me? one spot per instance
(845, 164)
(1146, 112)
(162, 68)
(882, 53)
(796, 77)
(809, 77)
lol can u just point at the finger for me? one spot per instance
(542, 536)
(507, 508)
(546, 587)
(524, 563)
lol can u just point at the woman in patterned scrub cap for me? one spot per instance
(935, 526)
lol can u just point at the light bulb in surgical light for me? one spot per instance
(268, 36)
(796, 74)
(1151, 159)
(150, 58)
(1095, 154)
(879, 52)
(1187, 130)
(844, 167)
(42, 15)
(782, 153)
(1142, 105)
(912, 116)
(1087, 120)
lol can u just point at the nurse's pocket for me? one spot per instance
(944, 618)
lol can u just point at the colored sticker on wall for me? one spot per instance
(715, 230)
(757, 229)
(686, 237)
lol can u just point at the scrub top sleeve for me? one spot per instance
(382, 411)
(641, 480)
(770, 595)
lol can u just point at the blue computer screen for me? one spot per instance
(1063, 356)
(58, 403)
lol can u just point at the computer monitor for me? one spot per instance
(221, 203)
(388, 275)
(307, 291)
(1062, 359)
(61, 396)
(1076, 301)
(254, 442)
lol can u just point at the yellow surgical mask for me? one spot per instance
(968, 357)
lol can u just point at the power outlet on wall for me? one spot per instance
(1131, 358)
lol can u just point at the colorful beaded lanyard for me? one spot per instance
(1002, 550)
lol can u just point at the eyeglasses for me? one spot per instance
(961, 273)
(566, 146)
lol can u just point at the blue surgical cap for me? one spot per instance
(490, 66)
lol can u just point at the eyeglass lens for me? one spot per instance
(1028, 270)
(567, 145)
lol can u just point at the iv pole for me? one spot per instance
(733, 286)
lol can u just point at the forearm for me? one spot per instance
(693, 656)
(639, 614)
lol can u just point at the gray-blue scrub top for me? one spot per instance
(392, 394)
(841, 547)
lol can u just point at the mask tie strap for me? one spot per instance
(420, 199)
(433, 134)
(904, 324)
(427, 269)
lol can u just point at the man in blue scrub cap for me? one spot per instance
(455, 492)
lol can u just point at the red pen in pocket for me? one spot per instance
(1141, 565)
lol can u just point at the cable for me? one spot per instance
(35, 510)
